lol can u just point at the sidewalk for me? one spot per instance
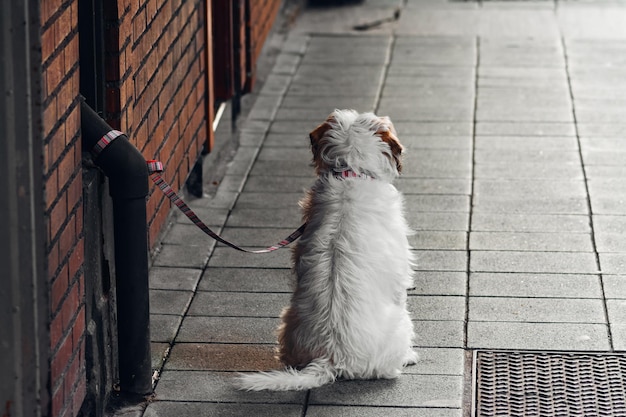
(513, 118)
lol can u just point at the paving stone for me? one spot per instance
(439, 283)
(607, 157)
(169, 301)
(441, 260)
(255, 237)
(536, 143)
(537, 336)
(247, 280)
(235, 304)
(278, 184)
(228, 330)
(607, 196)
(434, 128)
(610, 242)
(435, 221)
(521, 113)
(174, 278)
(216, 387)
(437, 163)
(618, 331)
(406, 390)
(287, 63)
(516, 170)
(536, 310)
(524, 129)
(275, 84)
(352, 411)
(163, 327)
(439, 240)
(535, 285)
(439, 202)
(437, 333)
(433, 185)
(158, 353)
(606, 224)
(227, 257)
(328, 105)
(261, 217)
(183, 256)
(356, 89)
(301, 127)
(538, 242)
(285, 140)
(438, 361)
(336, 73)
(439, 113)
(265, 107)
(617, 311)
(188, 234)
(535, 262)
(595, 172)
(436, 307)
(222, 357)
(207, 409)
(602, 129)
(613, 263)
(210, 216)
(499, 222)
(414, 144)
(614, 286)
(266, 200)
(283, 169)
(505, 156)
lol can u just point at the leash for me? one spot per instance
(155, 168)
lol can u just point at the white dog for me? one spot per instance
(348, 315)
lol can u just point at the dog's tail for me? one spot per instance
(317, 373)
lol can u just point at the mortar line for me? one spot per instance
(588, 195)
(471, 199)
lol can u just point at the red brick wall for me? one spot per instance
(63, 200)
(157, 86)
(262, 16)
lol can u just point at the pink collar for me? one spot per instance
(351, 174)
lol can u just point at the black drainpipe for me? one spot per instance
(127, 171)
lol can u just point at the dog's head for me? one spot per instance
(364, 143)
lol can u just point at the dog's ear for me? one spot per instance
(387, 134)
(316, 136)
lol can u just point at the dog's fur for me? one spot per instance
(348, 315)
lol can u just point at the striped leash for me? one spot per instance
(156, 167)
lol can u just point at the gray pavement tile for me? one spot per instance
(505, 156)
(353, 89)
(613, 263)
(610, 242)
(617, 311)
(253, 126)
(275, 85)
(287, 63)
(263, 217)
(428, 96)
(353, 411)
(337, 72)
(236, 304)
(538, 242)
(406, 391)
(439, 240)
(183, 256)
(524, 129)
(234, 181)
(537, 143)
(436, 307)
(606, 224)
(271, 200)
(283, 169)
(535, 285)
(604, 171)
(278, 184)
(255, 237)
(437, 221)
(614, 286)
(607, 196)
(287, 140)
(174, 278)
(527, 204)
(414, 144)
(521, 113)
(499, 222)
(537, 336)
(605, 157)
(265, 108)
(215, 387)
(438, 361)
(440, 113)
(618, 331)
(246, 280)
(439, 283)
(434, 128)
(325, 105)
(158, 352)
(169, 301)
(602, 129)
(222, 357)
(535, 262)
(521, 52)
(227, 257)
(536, 310)
(222, 199)
(602, 115)
(163, 327)
(298, 127)
(207, 409)
(434, 333)
(228, 330)
(433, 185)
(437, 163)
(554, 189)
(188, 234)
(441, 260)
(516, 170)
(441, 74)
(437, 202)
(211, 216)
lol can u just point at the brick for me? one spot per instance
(67, 238)
(57, 217)
(59, 288)
(77, 258)
(60, 360)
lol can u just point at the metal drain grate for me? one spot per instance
(546, 384)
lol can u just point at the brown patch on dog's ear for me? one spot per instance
(388, 136)
(316, 136)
